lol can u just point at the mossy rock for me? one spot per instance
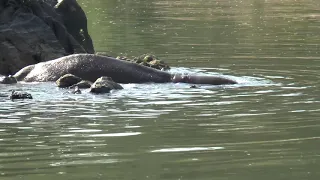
(148, 60)
(158, 64)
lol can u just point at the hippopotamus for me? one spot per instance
(91, 67)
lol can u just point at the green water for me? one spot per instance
(267, 127)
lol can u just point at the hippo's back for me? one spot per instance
(91, 67)
(49, 70)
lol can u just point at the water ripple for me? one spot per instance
(116, 134)
(187, 149)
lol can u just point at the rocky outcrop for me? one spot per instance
(33, 31)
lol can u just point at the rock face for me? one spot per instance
(104, 85)
(33, 31)
(75, 21)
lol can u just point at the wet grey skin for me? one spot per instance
(91, 67)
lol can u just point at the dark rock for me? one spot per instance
(20, 95)
(75, 21)
(8, 80)
(67, 80)
(104, 85)
(82, 84)
(33, 31)
(26, 40)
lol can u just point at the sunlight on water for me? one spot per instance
(82, 162)
(188, 149)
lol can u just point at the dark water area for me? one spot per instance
(265, 127)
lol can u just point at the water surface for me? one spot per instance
(266, 127)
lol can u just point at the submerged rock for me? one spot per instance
(67, 80)
(8, 80)
(20, 95)
(194, 86)
(82, 84)
(104, 85)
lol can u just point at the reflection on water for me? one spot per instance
(265, 127)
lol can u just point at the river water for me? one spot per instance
(266, 127)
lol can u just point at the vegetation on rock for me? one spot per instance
(148, 60)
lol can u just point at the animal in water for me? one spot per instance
(91, 67)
